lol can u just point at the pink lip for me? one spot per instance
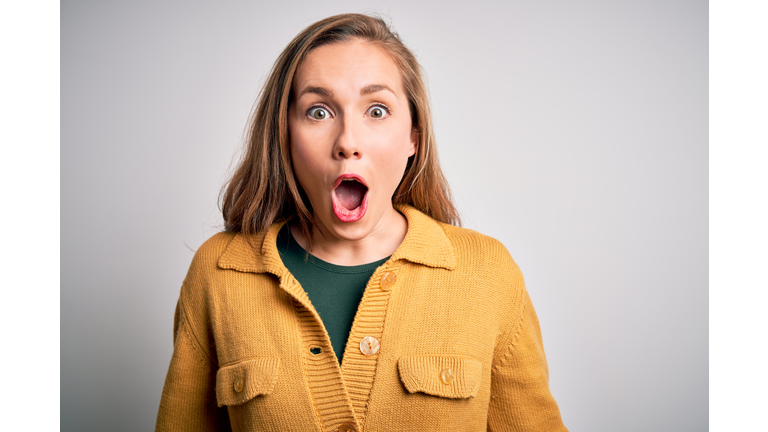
(339, 210)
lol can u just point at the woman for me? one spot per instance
(341, 296)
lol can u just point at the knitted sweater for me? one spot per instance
(445, 338)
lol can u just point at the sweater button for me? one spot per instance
(238, 384)
(388, 280)
(369, 345)
(446, 376)
(347, 427)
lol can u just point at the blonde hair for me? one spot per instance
(264, 189)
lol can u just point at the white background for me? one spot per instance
(574, 132)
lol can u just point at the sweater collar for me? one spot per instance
(425, 243)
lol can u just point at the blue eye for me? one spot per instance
(378, 111)
(318, 113)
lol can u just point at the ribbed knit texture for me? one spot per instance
(245, 332)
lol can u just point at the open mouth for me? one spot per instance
(350, 198)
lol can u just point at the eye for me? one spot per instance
(318, 113)
(378, 111)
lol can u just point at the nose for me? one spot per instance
(347, 144)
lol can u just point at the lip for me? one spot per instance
(340, 211)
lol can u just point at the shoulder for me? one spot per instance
(468, 252)
(215, 245)
(206, 278)
(485, 270)
(208, 254)
(228, 251)
(221, 248)
(485, 261)
(470, 245)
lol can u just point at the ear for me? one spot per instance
(414, 142)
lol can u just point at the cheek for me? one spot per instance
(309, 169)
(300, 158)
(303, 166)
(393, 157)
(405, 147)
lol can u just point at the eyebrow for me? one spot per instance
(373, 88)
(322, 91)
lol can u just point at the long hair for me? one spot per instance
(264, 189)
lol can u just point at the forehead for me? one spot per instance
(352, 64)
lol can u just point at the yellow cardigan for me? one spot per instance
(445, 338)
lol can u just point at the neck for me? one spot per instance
(378, 244)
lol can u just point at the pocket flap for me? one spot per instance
(241, 382)
(455, 377)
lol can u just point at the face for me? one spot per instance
(350, 136)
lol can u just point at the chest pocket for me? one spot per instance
(241, 382)
(455, 377)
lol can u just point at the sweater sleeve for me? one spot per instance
(188, 401)
(520, 396)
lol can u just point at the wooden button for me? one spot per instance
(388, 280)
(239, 384)
(347, 427)
(369, 345)
(446, 376)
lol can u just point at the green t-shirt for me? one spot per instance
(335, 291)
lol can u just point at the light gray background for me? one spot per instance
(574, 132)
